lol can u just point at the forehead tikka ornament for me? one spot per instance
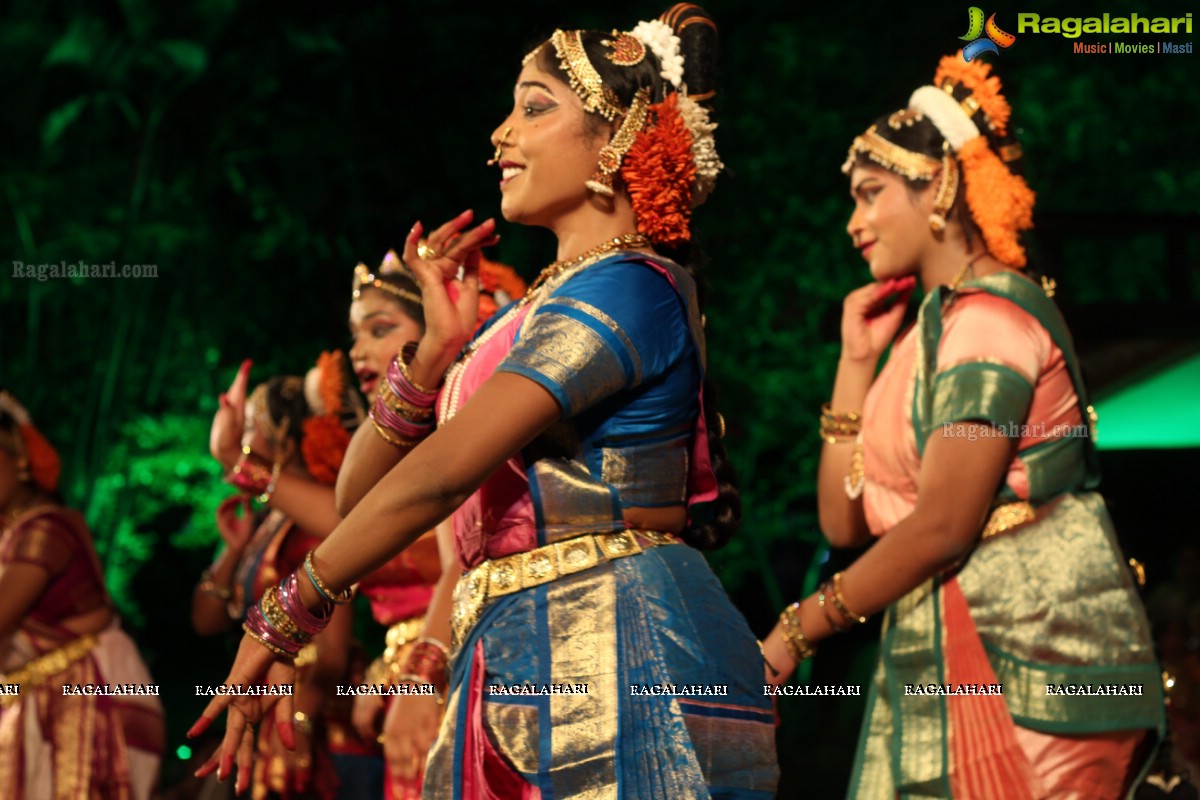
(365, 279)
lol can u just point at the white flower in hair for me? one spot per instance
(312, 392)
(9, 404)
(704, 146)
(658, 36)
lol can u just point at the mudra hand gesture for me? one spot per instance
(253, 665)
(446, 267)
(868, 324)
(225, 436)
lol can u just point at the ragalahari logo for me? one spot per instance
(976, 28)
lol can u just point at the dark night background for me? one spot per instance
(255, 152)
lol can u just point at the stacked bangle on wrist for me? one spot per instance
(281, 622)
(838, 614)
(793, 635)
(839, 426)
(403, 414)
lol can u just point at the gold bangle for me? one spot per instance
(391, 438)
(276, 650)
(839, 626)
(410, 412)
(835, 424)
(403, 365)
(210, 586)
(793, 635)
(345, 596)
(840, 604)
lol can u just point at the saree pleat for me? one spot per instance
(625, 624)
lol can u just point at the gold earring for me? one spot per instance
(943, 201)
(500, 146)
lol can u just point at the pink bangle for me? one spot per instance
(305, 620)
(410, 390)
(256, 625)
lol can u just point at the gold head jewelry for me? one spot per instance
(613, 153)
(627, 49)
(914, 166)
(365, 279)
(904, 117)
(582, 76)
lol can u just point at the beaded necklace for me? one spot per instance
(549, 278)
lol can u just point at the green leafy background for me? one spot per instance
(253, 153)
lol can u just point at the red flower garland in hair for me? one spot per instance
(44, 464)
(325, 439)
(660, 173)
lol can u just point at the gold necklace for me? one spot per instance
(628, 241)
(448, 401)
(961, 277)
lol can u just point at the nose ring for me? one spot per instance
(500, 146)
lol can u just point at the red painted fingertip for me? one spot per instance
(200, 727)
(286, 736)
(906, 283)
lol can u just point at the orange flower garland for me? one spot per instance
(659, 172)
(986, 90)
(325, 439)
(1001, 203)
(324, 447)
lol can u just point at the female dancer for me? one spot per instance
(405, 594)
(283, 445)
(571, 439)
(57, 628)
(970, 457)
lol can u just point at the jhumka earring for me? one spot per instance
(943, 201)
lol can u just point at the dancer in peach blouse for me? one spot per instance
(1016, 659)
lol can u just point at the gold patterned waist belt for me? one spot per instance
(38, 670)
(500, 576)
(1007, 517)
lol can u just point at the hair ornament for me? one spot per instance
(914, 166)
(704, 146)
(582, 76)
(1000, 203)
(613, 153)
(391, 265)
(660, 173)
(627, 49)
(985, 88)
(325, 435)
(662, 41)
(905, 117)
(946, 114)
(45, 467)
